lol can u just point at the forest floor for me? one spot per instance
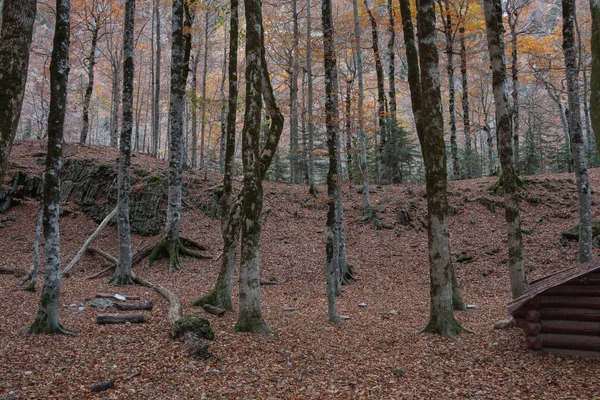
(374, 354)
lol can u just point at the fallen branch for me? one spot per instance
(209, 308)
(192, 243)
(136, 318)
(101, 387)
(175, 308)
(12, 271)
(146, 305)
(104, 254)
(114, 296)
(142, 253)
(87, 243)
(105, 270)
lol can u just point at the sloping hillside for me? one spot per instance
(374, 354)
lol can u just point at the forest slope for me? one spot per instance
(374, 354)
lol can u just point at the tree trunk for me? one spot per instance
(495, 39)
(348, 126)
(156, 88)
(441, 317)
(595, 76)
(332, 125)
(195, 113)
(576, 134)
(91, 62)
(309, 82)
(394, 173)
(223, 116)
(46, 319)
(449, 35)
(296, 168)
(36, 251)
(122, 275)
(250, 316)
(380, 83)
(203, 102)
(18, 18)
(465, 106)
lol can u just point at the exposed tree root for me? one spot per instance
(448, 329)
(371, 216)
(175, 308)
(39, 328)
(217, 298)
(122, 280)
(348, 275)
(173, 250)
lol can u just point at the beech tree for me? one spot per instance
(595, 79)
(122, 275)
(46, 318)
(495, 39)
(576, 134)
(18, 18)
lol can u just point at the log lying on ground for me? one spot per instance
(104, 255)
(175, 308)
(267, 283)
(209, 308)
(89, 241)
(113, 296)
(12, 271)
(146, 305)
(135, 318)
(103, 386)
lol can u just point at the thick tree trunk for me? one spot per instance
(18, 18)
(595, 76)
(122, 275)
(348, 127)
(176, 128)
(449, 35)
(46, 319)
(195, 113)
(250, 316)
(91, 62)
(156, 85)
(333, 190)
(381, 114)
(33, 274)
(495, 39)
(441, 317)
(392, 165)
(465, 106)
(513, 18)
(576, 134)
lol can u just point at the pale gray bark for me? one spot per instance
(36, 249)
(495, 39)
(195, 101)
(156, 82)
(18, 18)
(576, 134)
(295, 164)
(46, 319)
(203, 101)
(595, 74)
(309, 82)
(465, 105)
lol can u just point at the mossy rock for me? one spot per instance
(573, 233)
(193, 324)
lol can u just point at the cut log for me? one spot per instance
(89, 241)
(104, 255)
(143, 253)
(146, 305)
(187, 242)
(12, 271)
(175, 308)
(570, 314)
(533, 342)
(112, 296)
(575, 342)
(571, 302)
(573, 290)
(101, 387)
(569, 327)
(213, 310)
(136, 318)
(532, 329)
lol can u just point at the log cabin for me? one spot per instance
(560, 313)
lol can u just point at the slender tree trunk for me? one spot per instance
(203, 102)
(46, 319)
(122, 275)
(348, 126)
(595, 76)
(495, 39)
(18, 18)
(465, 106)
(195, 113)
(515, 89)
(394, 172)
(333, 190)
(380, 81)
(441, 317)
(156, 102)
(36, 248)
(295, 164)
(250, 316)
(449, 35)
(223, 116)
(220, 295)
(576, 134)
(91, 62)
(309, 82)
(139, 98)
(114, 111)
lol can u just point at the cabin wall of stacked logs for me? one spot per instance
(564, 319)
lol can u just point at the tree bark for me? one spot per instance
(576, 134)
(224, 102)
(33, 274)
(122, 275)
(46, 319)
(91, 62)
(195, 112)
(465, 105)
(18, 18)
(156, 85)
(309, 82)
(441, 317)
(595, 76)
(392, 165)
(250, 316)
(332, 124)
(203, 102)
(495, 39)
(296, 169)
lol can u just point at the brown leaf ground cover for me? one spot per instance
(373, 355)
